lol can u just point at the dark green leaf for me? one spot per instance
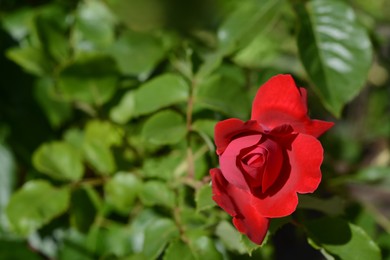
(343, 239)
(59, 160)
(157, 193)
(56, 110)
(82, 210)
(89, 78)
(165, 127)
(121, 191)
(52, 32)
(333, 206)
(36, 204)
(335, 51)
(166, 230)
(15, 249)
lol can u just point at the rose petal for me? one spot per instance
(279, 101)
(306, 158)
(236, 202)
(301, 175)
(226, 130)
(228, 160)
(273, 165)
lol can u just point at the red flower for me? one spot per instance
(267, 160)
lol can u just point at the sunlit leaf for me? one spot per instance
(35, 205)
(166, 230)
(59, 160)
(137, 53)
(121, 191)
(165, 127)
(162, 91)
(94, 27)
(157, 193)
(230, 237)
(335, 51)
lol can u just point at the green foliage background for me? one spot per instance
(107, 110)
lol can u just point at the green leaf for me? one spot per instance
(52, 29)
(203, 198)
(112, 239)
(230, 237)
(138, 226)
(56, 110)
(157, 193)
(166, 230)
(248, 19)
(205, 125)
(72, 245)
(100, 157)
(205, 128)
(94, 26)
(104, 131)
(121, 191)
(162, 91)
(372, 174)
(59, 160)
(31, 59)
(203, 247)
(82, 210)
(16, 249)
(249, 245)
(178, 250)
(343, 239)
(89, 78)
(223, 91)
(335, 51)
(140, 15)
(333, 206)
(35, 205)
(18, 24)
(165, 127)
(137, 53)
(163, 167)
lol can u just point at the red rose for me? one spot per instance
(267, 160)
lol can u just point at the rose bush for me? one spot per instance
(267, 160)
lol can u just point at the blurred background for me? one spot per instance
(107, 110)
